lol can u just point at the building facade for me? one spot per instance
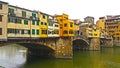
(43, 25)
(101, 23)
(66, 25)
(53, 27)
(3, 20)
(112, 25)
(22, 23)
(89, 19)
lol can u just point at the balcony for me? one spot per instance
(12, 14)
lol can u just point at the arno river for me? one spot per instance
(14, 56)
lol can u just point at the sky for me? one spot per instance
(76, 9)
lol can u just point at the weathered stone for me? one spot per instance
(64, 48)
(94, 44)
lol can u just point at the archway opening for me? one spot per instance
(38, 51)
(80, 44)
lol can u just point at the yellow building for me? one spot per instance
(3, 20)
(43, 24)
(117, 32)
(71, 28)
(112, 25)
(93, 32)
(101, 23)
(66, 25)
(22, 23)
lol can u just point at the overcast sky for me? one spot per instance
(76, 9)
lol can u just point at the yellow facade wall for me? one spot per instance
(3, 23)
(101, 24)
(96, 33)
(42, 25)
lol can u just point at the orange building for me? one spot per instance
(66, 25)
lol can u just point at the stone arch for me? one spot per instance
(38, 49)
(80, 44)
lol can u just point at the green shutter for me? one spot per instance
(34, 15)
(28, 31)
(23, 14)
(33, 22)
(37, 32)
(22, 31)
(37, 22)
(33, 31)
(26, 22)
(52, 32)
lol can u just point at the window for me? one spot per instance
(60, 20)
(71, 32)
(28, 31)
(33, 22)
(0, 31)
(52, 32)
(10, 30)
(10, 10)
(23, 14)
(95, 34)
(18, 20)
(56, 25)
(45, 23)
(17, 31)
(37, 22)
(41, 23)
(71, 24)
(65, 25)
(11, 19)
(34, 15)
(25, 31)
(0, 6)
(22, 31)
(33, 31)
(26, 22)
(43, 16)
(49, 32)
(50, 24)
(65, 32)
(0, 18)
(37, 32)
(81, 33)
(44, 31)
(56, 31)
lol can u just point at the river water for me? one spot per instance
(14, 56)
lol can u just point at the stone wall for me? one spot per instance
(116, 42)
(107, 43)
(94, 44)
(64, 48)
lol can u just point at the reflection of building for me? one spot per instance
(112, 26)
(89, 19)
(66, 25)
(3, 20)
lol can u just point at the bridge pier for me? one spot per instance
(94, 44)
(116, 42)
(64, 48)
(107, 43)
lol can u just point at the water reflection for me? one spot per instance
(11, 57)
(14, 56)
